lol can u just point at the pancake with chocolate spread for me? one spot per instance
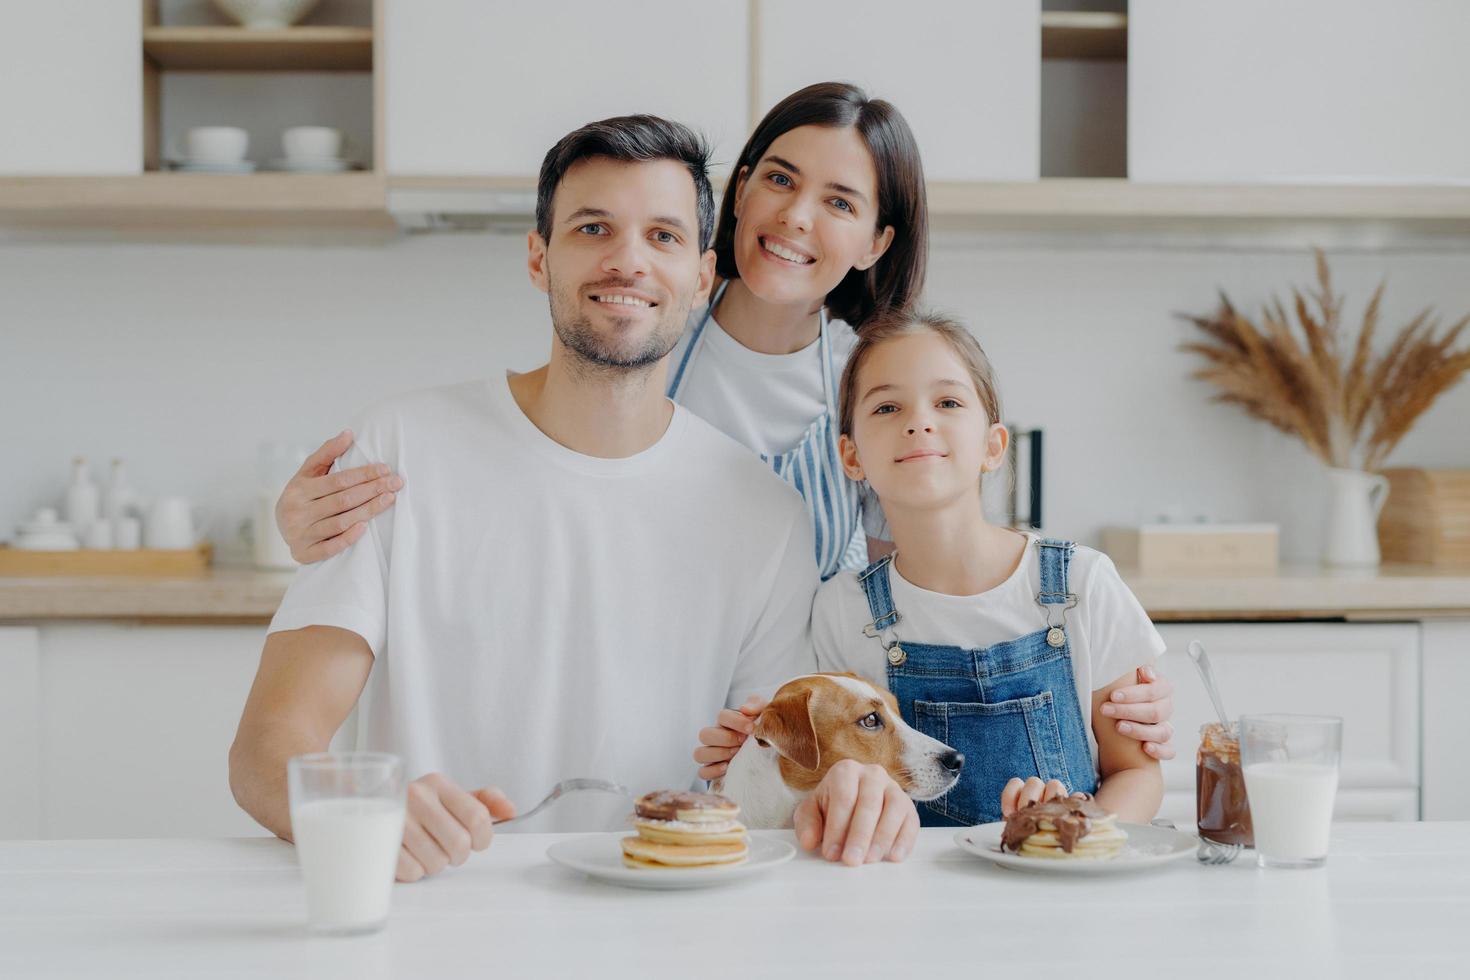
(1071, 828)
(683, 830)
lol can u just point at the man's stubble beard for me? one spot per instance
(599, 354)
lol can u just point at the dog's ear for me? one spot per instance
(787, 724)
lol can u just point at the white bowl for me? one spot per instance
(264, 15)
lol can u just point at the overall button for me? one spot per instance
(896, 655)
(1056, 636)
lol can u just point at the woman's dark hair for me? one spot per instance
(896, 279)
(629, 138)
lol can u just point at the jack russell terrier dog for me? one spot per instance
(814, 722)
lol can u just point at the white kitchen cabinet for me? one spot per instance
(1314, 90)
(114, 730)
(20, 743)
(1366, 673)
(966, 76)
(485, 89)
(71, 88)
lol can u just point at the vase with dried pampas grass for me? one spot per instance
(1349, 403)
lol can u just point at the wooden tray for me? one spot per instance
(185, 562)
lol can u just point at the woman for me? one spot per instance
(823, 227)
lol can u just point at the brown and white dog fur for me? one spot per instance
(816, 721)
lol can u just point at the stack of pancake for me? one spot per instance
(1074, 827)
(685, 830)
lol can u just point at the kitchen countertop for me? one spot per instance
(1393, 900)
(241, 595)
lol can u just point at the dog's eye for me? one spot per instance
(871, 722)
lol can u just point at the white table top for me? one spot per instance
(1393, 900)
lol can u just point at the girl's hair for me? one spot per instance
(896, 279)
(900, 323)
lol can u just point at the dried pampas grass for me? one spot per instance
(1348, 407)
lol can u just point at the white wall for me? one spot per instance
(184, 358)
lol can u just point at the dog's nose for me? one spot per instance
(952, 761)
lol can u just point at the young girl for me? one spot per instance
(1001, 644)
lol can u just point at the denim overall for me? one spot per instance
(1011, 708)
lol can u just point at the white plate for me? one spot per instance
(1147, 847)
(601, 856)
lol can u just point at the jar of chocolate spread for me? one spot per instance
(1221, 806)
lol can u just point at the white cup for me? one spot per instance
(311, 143)
(127, 534)
(98, 536)
(347, 813)
(170, 524)
(216, 144)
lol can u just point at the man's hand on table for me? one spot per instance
(445, 823)
(858, 815)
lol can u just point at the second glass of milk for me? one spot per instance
(1291, 764)
(347, 811)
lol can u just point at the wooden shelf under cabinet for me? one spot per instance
(239, 49)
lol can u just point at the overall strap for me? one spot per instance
(1056, 557)
(874, 580)
(677, 380)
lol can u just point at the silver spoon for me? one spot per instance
(1202, 661)
(1212, 852)
(564, 787)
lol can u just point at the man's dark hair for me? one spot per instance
(629, 138)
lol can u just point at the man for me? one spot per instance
(579, 573)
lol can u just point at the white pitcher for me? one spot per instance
(1355, 499)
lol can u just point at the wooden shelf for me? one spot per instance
(203, 202)
(1093, 36)
(239, 49)
(365, 199)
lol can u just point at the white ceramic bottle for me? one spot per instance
(81, 498)
(118, 496)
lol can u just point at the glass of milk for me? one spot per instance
(347, 813)
(1290, 764)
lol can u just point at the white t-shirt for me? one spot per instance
(765, 402)
(1108, 632)
(538, 614)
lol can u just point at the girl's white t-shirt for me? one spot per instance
(1108, 633)
(535, 613)
(765, 402)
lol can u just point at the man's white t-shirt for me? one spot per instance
(765, 402)
(1108, 632)
(537, 614)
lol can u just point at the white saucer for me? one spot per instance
(1147, 848)
(323, 166)
(601, 856)
(190, 166)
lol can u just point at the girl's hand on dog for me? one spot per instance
(1020, 793)
(718, 745)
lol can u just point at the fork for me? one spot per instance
(564, 787)
(1213, 852)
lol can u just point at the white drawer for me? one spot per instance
(1367, 673)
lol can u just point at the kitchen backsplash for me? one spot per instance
(184, 359)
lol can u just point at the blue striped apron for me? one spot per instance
(813, 467)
